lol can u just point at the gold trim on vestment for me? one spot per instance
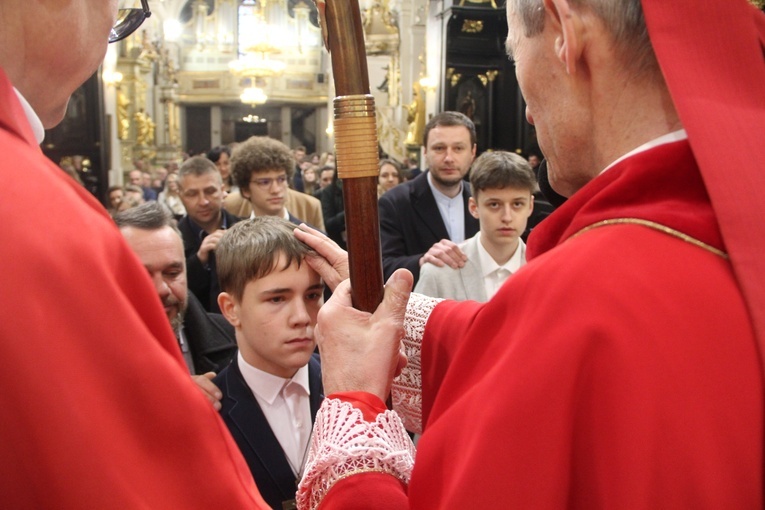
(656, 226)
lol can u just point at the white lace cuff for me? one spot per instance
(406, 392)
(344, 444)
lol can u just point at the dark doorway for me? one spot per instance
(244, 130)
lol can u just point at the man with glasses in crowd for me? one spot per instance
(201, 190)
(262, 168)
(98, 410)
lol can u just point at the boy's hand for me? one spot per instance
(362, 351)
(206, 386)
(331, 262)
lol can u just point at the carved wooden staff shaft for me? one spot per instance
(355, 149)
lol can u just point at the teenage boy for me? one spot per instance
(262, 168)
(503, 184)
(272, 390)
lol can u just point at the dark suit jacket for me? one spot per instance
(203, 281)
(410, 224)
(211, 338)
(258, 444)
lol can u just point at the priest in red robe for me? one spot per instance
(622, 367)
(97, 408)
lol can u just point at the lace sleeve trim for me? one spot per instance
(344, 444)
(406, 392)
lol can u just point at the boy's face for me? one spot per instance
(267, 192)
(502, 214)
(276, 317)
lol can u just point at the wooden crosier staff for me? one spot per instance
(356, 153)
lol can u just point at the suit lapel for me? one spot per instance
(314, 385)
(424, 205)
(472, 274)
(247, 415)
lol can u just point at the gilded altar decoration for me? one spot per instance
(416, 117)
(144, 127)
(472, 26)
(123, 117)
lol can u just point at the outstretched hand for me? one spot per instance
(361, 351)
(331, 262)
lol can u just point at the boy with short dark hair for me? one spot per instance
(502, 184)
(272, 390)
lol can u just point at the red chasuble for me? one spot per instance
(617, 369)
(97, 408)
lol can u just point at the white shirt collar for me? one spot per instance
(674, 136)
(285, 214)
(439, 195)
(34, 121)
(489, 265)
(268, 386)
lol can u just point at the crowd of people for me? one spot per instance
(164, 355)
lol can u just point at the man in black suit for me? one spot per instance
(249, 427)
(424, 220)
(201, 190)
(207, 340)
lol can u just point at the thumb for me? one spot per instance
(396, 295)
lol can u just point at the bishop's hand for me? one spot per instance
(362, 351)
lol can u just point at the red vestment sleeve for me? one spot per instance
(370, 405)
(366, 491)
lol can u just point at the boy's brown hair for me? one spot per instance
(501, 169)
(250, 250)
(259, 154)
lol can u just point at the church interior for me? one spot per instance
(204, 73)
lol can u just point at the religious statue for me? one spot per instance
(416, 117)
(123, 117)
(144, 127)
(467, 106)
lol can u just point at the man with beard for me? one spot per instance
(423, 220)
(622, 367)
(206, 339)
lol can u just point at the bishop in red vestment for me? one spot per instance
(621, 367)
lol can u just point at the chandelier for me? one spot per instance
(253, 96)
(256, 48)
(256, 65)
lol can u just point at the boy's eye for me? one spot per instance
(276, 299)
(313, 296)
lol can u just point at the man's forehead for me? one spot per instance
(450, 134)
(191, 181)
(147, 242)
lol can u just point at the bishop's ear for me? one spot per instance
(568, 42)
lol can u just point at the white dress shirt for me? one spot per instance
(495, 275)
(287, 407)
(452, 211)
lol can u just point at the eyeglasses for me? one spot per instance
(265, 183)
(128, 21)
